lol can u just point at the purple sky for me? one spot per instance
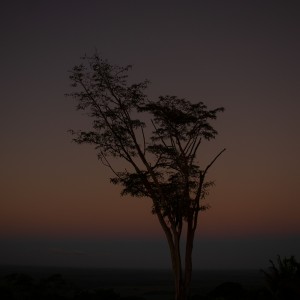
(55, 197)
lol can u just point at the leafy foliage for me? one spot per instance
(159, 141)
(162, 165)
(283, 280)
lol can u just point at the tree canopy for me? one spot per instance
(158, 139)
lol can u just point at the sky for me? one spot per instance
(57, 206)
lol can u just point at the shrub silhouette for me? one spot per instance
(228, 290)
(22, 286)
(16, 286)
(283, 280)
(98, 294)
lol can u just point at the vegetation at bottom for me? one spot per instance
(282, 282)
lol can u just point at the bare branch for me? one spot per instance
(106, 163)
(212, 162)
(144, 140)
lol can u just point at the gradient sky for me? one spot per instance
(56, 203)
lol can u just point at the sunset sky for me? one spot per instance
(57, 206)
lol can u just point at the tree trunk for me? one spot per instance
(180, 288)
(181, 279)
(188, 255)
(177, 268)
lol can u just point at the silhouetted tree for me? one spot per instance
(161, 164)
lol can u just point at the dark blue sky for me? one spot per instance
(243, 55)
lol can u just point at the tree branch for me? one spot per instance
(212, 162)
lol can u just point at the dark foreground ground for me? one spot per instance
(66, 283)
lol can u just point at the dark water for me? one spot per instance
(139, 282)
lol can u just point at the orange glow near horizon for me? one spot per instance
(244, 57)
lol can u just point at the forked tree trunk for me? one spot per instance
(182, 276)
(188, 253)
(182, 273)
(182, 285)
